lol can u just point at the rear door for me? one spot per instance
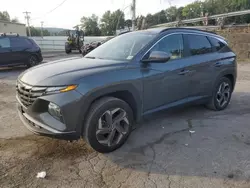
(201, 59)
(5, 52)
(20, 49)
(224, 58)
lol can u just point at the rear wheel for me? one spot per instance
(32, 61)
(221, 95)
(108, 124)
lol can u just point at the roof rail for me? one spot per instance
(9, 34)
(188, 28)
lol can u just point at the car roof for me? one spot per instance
(14, 36)
(159, 30)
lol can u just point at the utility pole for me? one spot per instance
(42, 29)
(27, 17)
(133, 14)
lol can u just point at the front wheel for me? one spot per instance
(221, 94)
(108, 124)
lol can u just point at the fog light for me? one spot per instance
(55, 111)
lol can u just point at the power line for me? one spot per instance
(57, 6)
(51, 10)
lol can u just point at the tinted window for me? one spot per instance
(172, 44)
(4, 42)
(17, 42)
(217, 43)
(199, 44)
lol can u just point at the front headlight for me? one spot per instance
(60, 89)
(55, 111)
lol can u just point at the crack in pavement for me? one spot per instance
(161, 139)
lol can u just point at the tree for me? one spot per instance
(37, 31)
(15, 20)
(111, 21)
(128, 23)
(193, 10)
(90, 25)
(4, 16)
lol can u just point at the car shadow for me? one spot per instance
(191, 141)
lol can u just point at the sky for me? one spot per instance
(70, 12)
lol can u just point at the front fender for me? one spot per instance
(97, 86)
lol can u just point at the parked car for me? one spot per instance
(89, 47)
(19, 50)
(101, 95)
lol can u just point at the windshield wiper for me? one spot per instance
(90, 57)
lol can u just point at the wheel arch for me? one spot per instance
(127, 93)
(231, 78)
(229, 73)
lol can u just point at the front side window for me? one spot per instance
(4, 42)
(173, 45)
(199, 44)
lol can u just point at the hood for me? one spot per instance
(67, 71)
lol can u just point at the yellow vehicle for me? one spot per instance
(74, 41)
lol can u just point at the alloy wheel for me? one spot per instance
(112, 127)
(223, 94)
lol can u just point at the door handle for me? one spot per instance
(218, 64)
(183, 72)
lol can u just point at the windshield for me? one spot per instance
(122, 47)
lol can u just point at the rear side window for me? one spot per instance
(218, 45)
(4, 42)
(199, 44)
(17, 42)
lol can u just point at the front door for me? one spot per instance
(5, 52)
(166, 84)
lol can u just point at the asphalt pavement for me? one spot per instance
(190, 147)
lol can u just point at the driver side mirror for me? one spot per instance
(158, 56)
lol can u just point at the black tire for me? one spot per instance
(33, 61)
(96, 111)
(68, 51)
(214, 104)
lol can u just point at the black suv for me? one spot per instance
(18, 50)
(99, 96)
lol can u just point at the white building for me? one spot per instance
(8, 27)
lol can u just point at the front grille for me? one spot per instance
(28, 94)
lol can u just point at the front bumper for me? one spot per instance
(37, 119)
(42, 129)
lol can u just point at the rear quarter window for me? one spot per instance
(218, 45)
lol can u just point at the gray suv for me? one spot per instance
(100, 96)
